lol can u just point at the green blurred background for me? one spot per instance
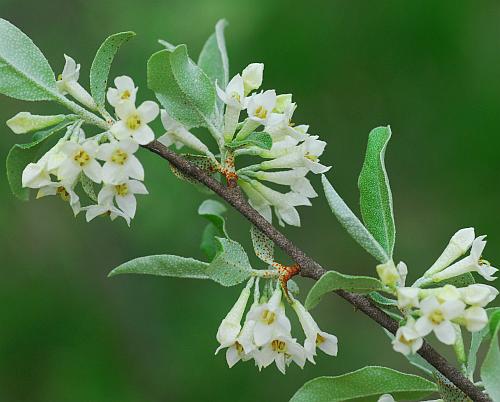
(430, 69)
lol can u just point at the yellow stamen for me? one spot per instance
(268, 317)
(121, 189)
(133, 122)
(125, 95)
(63, 193)
(82, 158)
(437, 317)
(278, 346)
(261, 112)
(119, 157)
(319, 339)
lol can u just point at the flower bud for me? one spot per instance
(252, 77)
(282, 103)
(388, 273)
(478, 294)
(25, 122)
(459, 243)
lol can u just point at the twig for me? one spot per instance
(310, 268)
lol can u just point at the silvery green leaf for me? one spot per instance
(352, 224)
(258, 139)
(88, 187)
(490, 370)
(164, 265)
(333, 280)
(208, 241)
(25, 73)
(214, 211)
(382, 300)
(231, 265)
(182, 88)
(448, 391)
(364, 385)
(458, 281)
(477, 339)
(375, 191)
(101, 65)
(262, 245)
(213, 58)
(21, 154)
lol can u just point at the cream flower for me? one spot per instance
(459, 243)
(252, 77)
(79, 157)
(478, 294)
(230, 326)
(177, 134)
(270, 319)
(475, 318)
(120, 161)
(243, 347)
(134, 121)
(326, 342)
(65, 192)
(282, 350)
(124, 195)
(295, 178)
(106, 209)
(260, 106)
(304, 155)
(67, 83)
(408, 297)
(472, 263)
(437, 317)
(407, 340)
(125, 91)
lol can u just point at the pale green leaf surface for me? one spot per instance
(25, 73)
(458, 281)
(262, 245)
(182, 88)
(333, 280)
(490, 370)
(375, 192)
(231, 265)
(477, 339)
(213, 58)
(88, 187)
(21, 154)
(365, 385)
(209, 244)
(448, 391)
(352, 224)
(213, 211)
(101, 65)
(164, 265)
(258, 139)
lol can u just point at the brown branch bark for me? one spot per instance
(310, 268)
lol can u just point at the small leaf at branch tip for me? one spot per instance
(333, 280)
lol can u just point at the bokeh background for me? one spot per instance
(430, 69)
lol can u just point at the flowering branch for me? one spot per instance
(309, 267)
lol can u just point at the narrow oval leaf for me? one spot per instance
(258, 139)
(25, 73)
(375, 192)
(262, 245)
(476, 341)
(333, 280)
(490, 370)
(21, 154)
(88, 187)
(213, 58)
(448, 391)
(459, 281)
(209, 241)
(101, 65)
(214, 211)
(365, 385)
(352, 224)
(182, 88)
(230, 266)
(164, 265)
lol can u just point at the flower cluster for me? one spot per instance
(293, 154)
(443, 309)
(107, 158)
(265, 335)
